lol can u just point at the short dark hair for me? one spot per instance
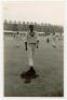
(31, 26)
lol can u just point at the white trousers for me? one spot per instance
(31, 54)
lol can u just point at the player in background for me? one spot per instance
(52, 39)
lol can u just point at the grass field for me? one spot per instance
(48, 65)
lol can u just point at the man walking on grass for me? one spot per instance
(31, 44)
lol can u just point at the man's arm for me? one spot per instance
(26, 46)
(37, 43)
(37, 39)
(26, 41)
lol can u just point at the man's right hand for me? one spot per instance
(26, 46)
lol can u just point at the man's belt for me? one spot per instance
(32, 43)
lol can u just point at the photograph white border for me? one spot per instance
(2, 56)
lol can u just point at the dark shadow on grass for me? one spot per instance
(29, 75)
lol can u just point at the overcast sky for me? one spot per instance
(36, 11)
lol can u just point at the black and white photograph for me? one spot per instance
(33, 48)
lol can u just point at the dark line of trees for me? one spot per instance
(18, 26)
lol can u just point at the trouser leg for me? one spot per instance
(30, 56)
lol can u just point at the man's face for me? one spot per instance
(31, 29)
